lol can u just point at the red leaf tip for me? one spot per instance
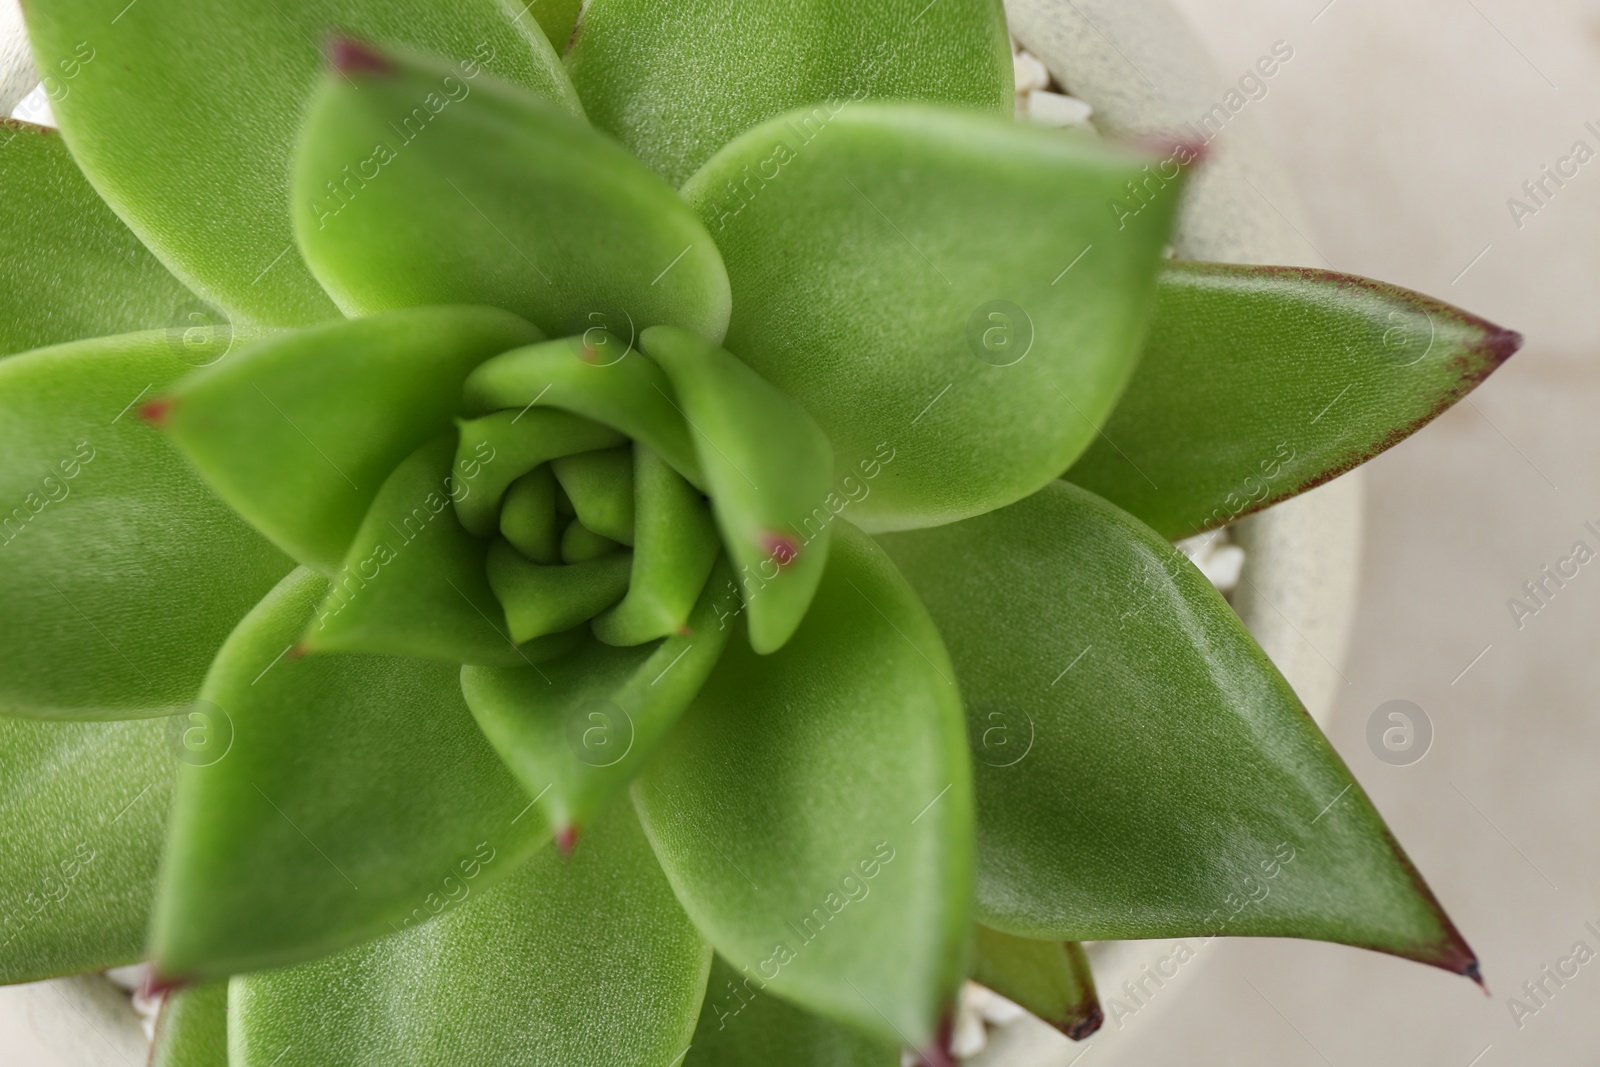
(780, 546)
(156, 412)
(937, 1054)
(350, 56)
(566, 840)
(159, 985)
(1502, 345)
(1086, 1024)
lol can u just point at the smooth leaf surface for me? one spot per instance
(510, 445)
(540, 601)
(953, 289)
(675, 547)
(813, 812)
(355, 788)
(742, 1026)
(675, 82)
(584, 375)
(185, 115)
(192, 1029)
(69, 268)
(120, 572)
(83, 811)
(413, 583)
(298, 433)
(1051, 979)
(498, 198)
(766, 465)
(1143, 771)
(576, 730)
(586, 962)
(1258, 383)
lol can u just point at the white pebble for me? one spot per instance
(35, 108)
(1030, 73)
(1053, 109)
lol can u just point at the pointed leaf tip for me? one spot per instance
(346, 55)
(159, 985)
(566, 840)
(937, 1054)
(1088, 1025)
(156, 412)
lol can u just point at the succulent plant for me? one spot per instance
(712, 437)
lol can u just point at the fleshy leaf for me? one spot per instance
(69, 268)
(960, 291)
(528, 516)
(586, 962)
(813, 809)
(500, 198)
(1258, 383)
(600, 486)
(575, 731)
(299, 432)
(120, 573)
(83, 811)
(557, 18)
(192, 1029)
(585, 376)
(743, 1026)
(540, 600)
(188, 134)
(1050, 978)
(677, 82)
(766, 465)
(354, 789)
(1152, 775)
(675, 546)
(510, 445)
(413, 583)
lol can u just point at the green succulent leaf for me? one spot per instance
(184, 116)
(120, 573)
(813, 812)
(1142, 769)
(675, 546)
(1051, 979)
(69, 268)
(413, 583)
(586, 962)
(557, 18)
(540, 601)
(600, 486)
(83, 810)
(499, 198)
(355, 790)
(298, 433)
(675, 82)
(192, 1029)
(509, 445)
(1258, 383)
(952, 289)
(586, 376)
(767, 466)
(577, 730)
(743, 1026)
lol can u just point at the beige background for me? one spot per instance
(1406, 126)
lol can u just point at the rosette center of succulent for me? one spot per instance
(509, 493)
